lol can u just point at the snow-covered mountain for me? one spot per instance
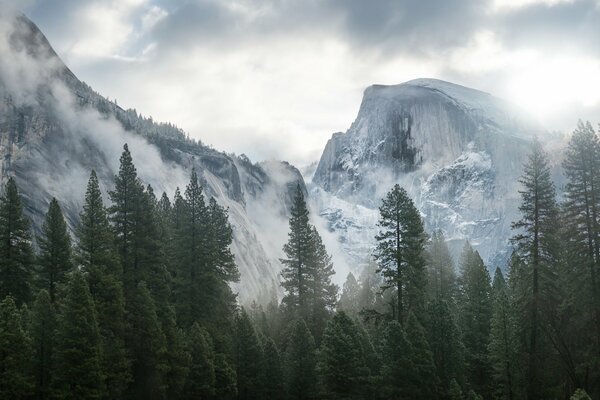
(54, 129)
(457, 151)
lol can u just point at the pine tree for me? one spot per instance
(441, 277)
(475, 316)
(96, 254)
(424, 373)
(397, 368)
(300, 362)
(125, 199)
(295, 271)
(225, 379)
(201, 379)
(43, 329)
(455, 392)
(400, 251)
(148, 348)
(192, 255)
(248, 353)
(582, 216)
(307, 271)
(16, 254)
(55, 250)
(323, 293)
(78, 373)
(537, 246)
(502, 343)
(446, 345)
(15, 353)
(273, 371)
(342, 365)
(349, 300)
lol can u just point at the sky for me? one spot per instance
(273, 79)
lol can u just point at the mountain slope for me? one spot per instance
(54, 129)
(458, 152)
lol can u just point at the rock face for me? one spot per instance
(457, 151)
(54, 129)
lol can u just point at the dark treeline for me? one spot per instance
(137, 304)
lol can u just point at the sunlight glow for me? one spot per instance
(547, 86)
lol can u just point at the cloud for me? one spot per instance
(274, 78)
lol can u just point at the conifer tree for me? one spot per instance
(300, 362)
(475, 316)
(424, 372)
(201, 379)
(273, 371)
(342, 365)
(446, 344)
(16, 254)
(225, 379)
(124, 216)
(582, 213)
(192, 255)
(43, 330)
(503, 341)
(307, 271)
(323, 293)
(96, 254)
(295, 271)
(441, 277)
(455, 392)
(148, 348)
(536, 244)
(95, 251)
(350, 297)
(15, 353)
(78, 373)
(400, 251)
(397, 368)
(55, 250)
(248, 355)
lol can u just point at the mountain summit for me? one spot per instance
(458, 151)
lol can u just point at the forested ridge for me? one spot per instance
(136, 302)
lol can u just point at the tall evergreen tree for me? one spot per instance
(400, 251)
(537, 246)
(446, 345)
(323, 293)
(350, 297)
(148, 348)
(16, 254)
(442, 277)
(248, 355)
(397, 368)
(225, 379)
(273, 371)
(503, 341)
(300, 362)
(15, 353)
(582, 215)
(78, 373)
(342, 363)
(55, 250)
(424, 372)
(295, 271)
(43, 330)
(307, 271)
(201, 379)
(475, 316)
(96, 254)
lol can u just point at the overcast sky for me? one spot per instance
(275, 78)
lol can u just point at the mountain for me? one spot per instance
(54, 129)
(458, 152)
